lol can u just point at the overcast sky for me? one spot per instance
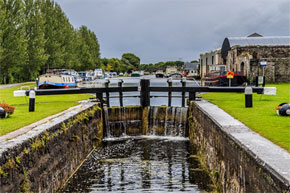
(169, 30)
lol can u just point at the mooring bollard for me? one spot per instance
(169, 81)
(107, 82)
(120, 82)
(249, 96)
(31, 101)
(183, 82)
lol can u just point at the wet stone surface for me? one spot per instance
(141, 164)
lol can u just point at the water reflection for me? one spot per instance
(135, 81)
(141, 165)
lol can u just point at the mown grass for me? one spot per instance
(44, 107)
(262, 118)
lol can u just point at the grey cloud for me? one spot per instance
(161, 30)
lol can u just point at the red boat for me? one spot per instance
(238, 80)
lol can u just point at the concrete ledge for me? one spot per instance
(236, 151)
(40, 157)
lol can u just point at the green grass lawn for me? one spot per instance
(44, 107)
(262, 118)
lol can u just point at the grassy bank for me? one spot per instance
(262, 118)
(44, 107)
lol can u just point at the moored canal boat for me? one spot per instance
(159, 74)
(238, 80)
(55, 81)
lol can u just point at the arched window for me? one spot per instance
(242, 68)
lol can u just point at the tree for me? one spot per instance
(130, 60)
(34, 32)
(13, 42)
(89, 51)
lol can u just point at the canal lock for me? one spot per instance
(144, 149)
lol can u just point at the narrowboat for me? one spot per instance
(238, 80)
(55, 81)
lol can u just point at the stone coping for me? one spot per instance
(269, 155)
(21, 135)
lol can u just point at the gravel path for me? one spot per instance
(12, 85)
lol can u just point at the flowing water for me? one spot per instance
(141, 164)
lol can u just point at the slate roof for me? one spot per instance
(190, 66)
(253, 41)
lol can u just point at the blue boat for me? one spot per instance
(54, 81)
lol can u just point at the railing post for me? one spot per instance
(145, 93)
(31, 101)
(120, 82)
(100, 97)
(192, 96)
(169, 81)
(249, 96)
(183, 82)
(107, 82)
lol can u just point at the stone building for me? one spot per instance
(244, 54)
(211, 63)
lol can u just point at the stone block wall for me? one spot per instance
(42, 159)
(277, 57)
(240, 160)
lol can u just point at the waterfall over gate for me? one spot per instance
(167, 121)
(121, 121)
(154, 120)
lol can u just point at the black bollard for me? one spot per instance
(31, 101)
(248, 97)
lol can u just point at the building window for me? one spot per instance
(206, 61)
(212, 58)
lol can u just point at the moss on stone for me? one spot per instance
(36, 144)
(145, 122)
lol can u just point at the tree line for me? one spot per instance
(36, 35)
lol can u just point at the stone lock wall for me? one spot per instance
(42, 159)
(226, 146)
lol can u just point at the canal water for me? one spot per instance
(141, 164)
(135, 81)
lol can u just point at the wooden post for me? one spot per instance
(183, 82)
(100, 97)
(31, 101)
(107, 82)
(145, 93)
(169, 81)
(192, 96)
(120, 82)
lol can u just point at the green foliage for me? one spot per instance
(131, 61)
(161, 66)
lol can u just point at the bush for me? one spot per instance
(8, 108)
